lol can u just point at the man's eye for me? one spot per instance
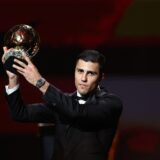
(92, 73)
(80, 70)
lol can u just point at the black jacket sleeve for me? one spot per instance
(37, 112)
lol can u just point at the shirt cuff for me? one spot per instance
(11, 90)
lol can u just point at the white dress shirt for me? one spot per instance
(81, 101)
(11, 90)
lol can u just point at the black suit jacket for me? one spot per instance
(83, 131)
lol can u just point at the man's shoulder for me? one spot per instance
(103, 91)
(104, 94)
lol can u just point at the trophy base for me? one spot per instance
(9, 63)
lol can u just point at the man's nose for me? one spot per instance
(84, 77)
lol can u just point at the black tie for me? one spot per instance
(82, 98)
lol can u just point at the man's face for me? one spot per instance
(87, 76)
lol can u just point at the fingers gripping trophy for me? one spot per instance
(21, 40)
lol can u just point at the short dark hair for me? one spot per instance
(93, 56)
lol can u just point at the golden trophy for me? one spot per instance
(21, 40)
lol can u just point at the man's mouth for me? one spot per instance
(83, 85)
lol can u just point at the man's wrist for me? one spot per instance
(40, 82)
(44, 88)
(13, 81)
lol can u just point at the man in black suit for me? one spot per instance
(85, 121)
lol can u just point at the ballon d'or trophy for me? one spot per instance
(21, 40)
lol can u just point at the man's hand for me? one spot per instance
(28, 71)
(13, 78)
(10, 74)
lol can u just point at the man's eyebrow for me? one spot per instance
(79, 69)
(93, 72)
(88, 71)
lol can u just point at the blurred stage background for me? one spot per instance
(127, 32)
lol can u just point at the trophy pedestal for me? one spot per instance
(9, 63)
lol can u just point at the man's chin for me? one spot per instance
(82, 92)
